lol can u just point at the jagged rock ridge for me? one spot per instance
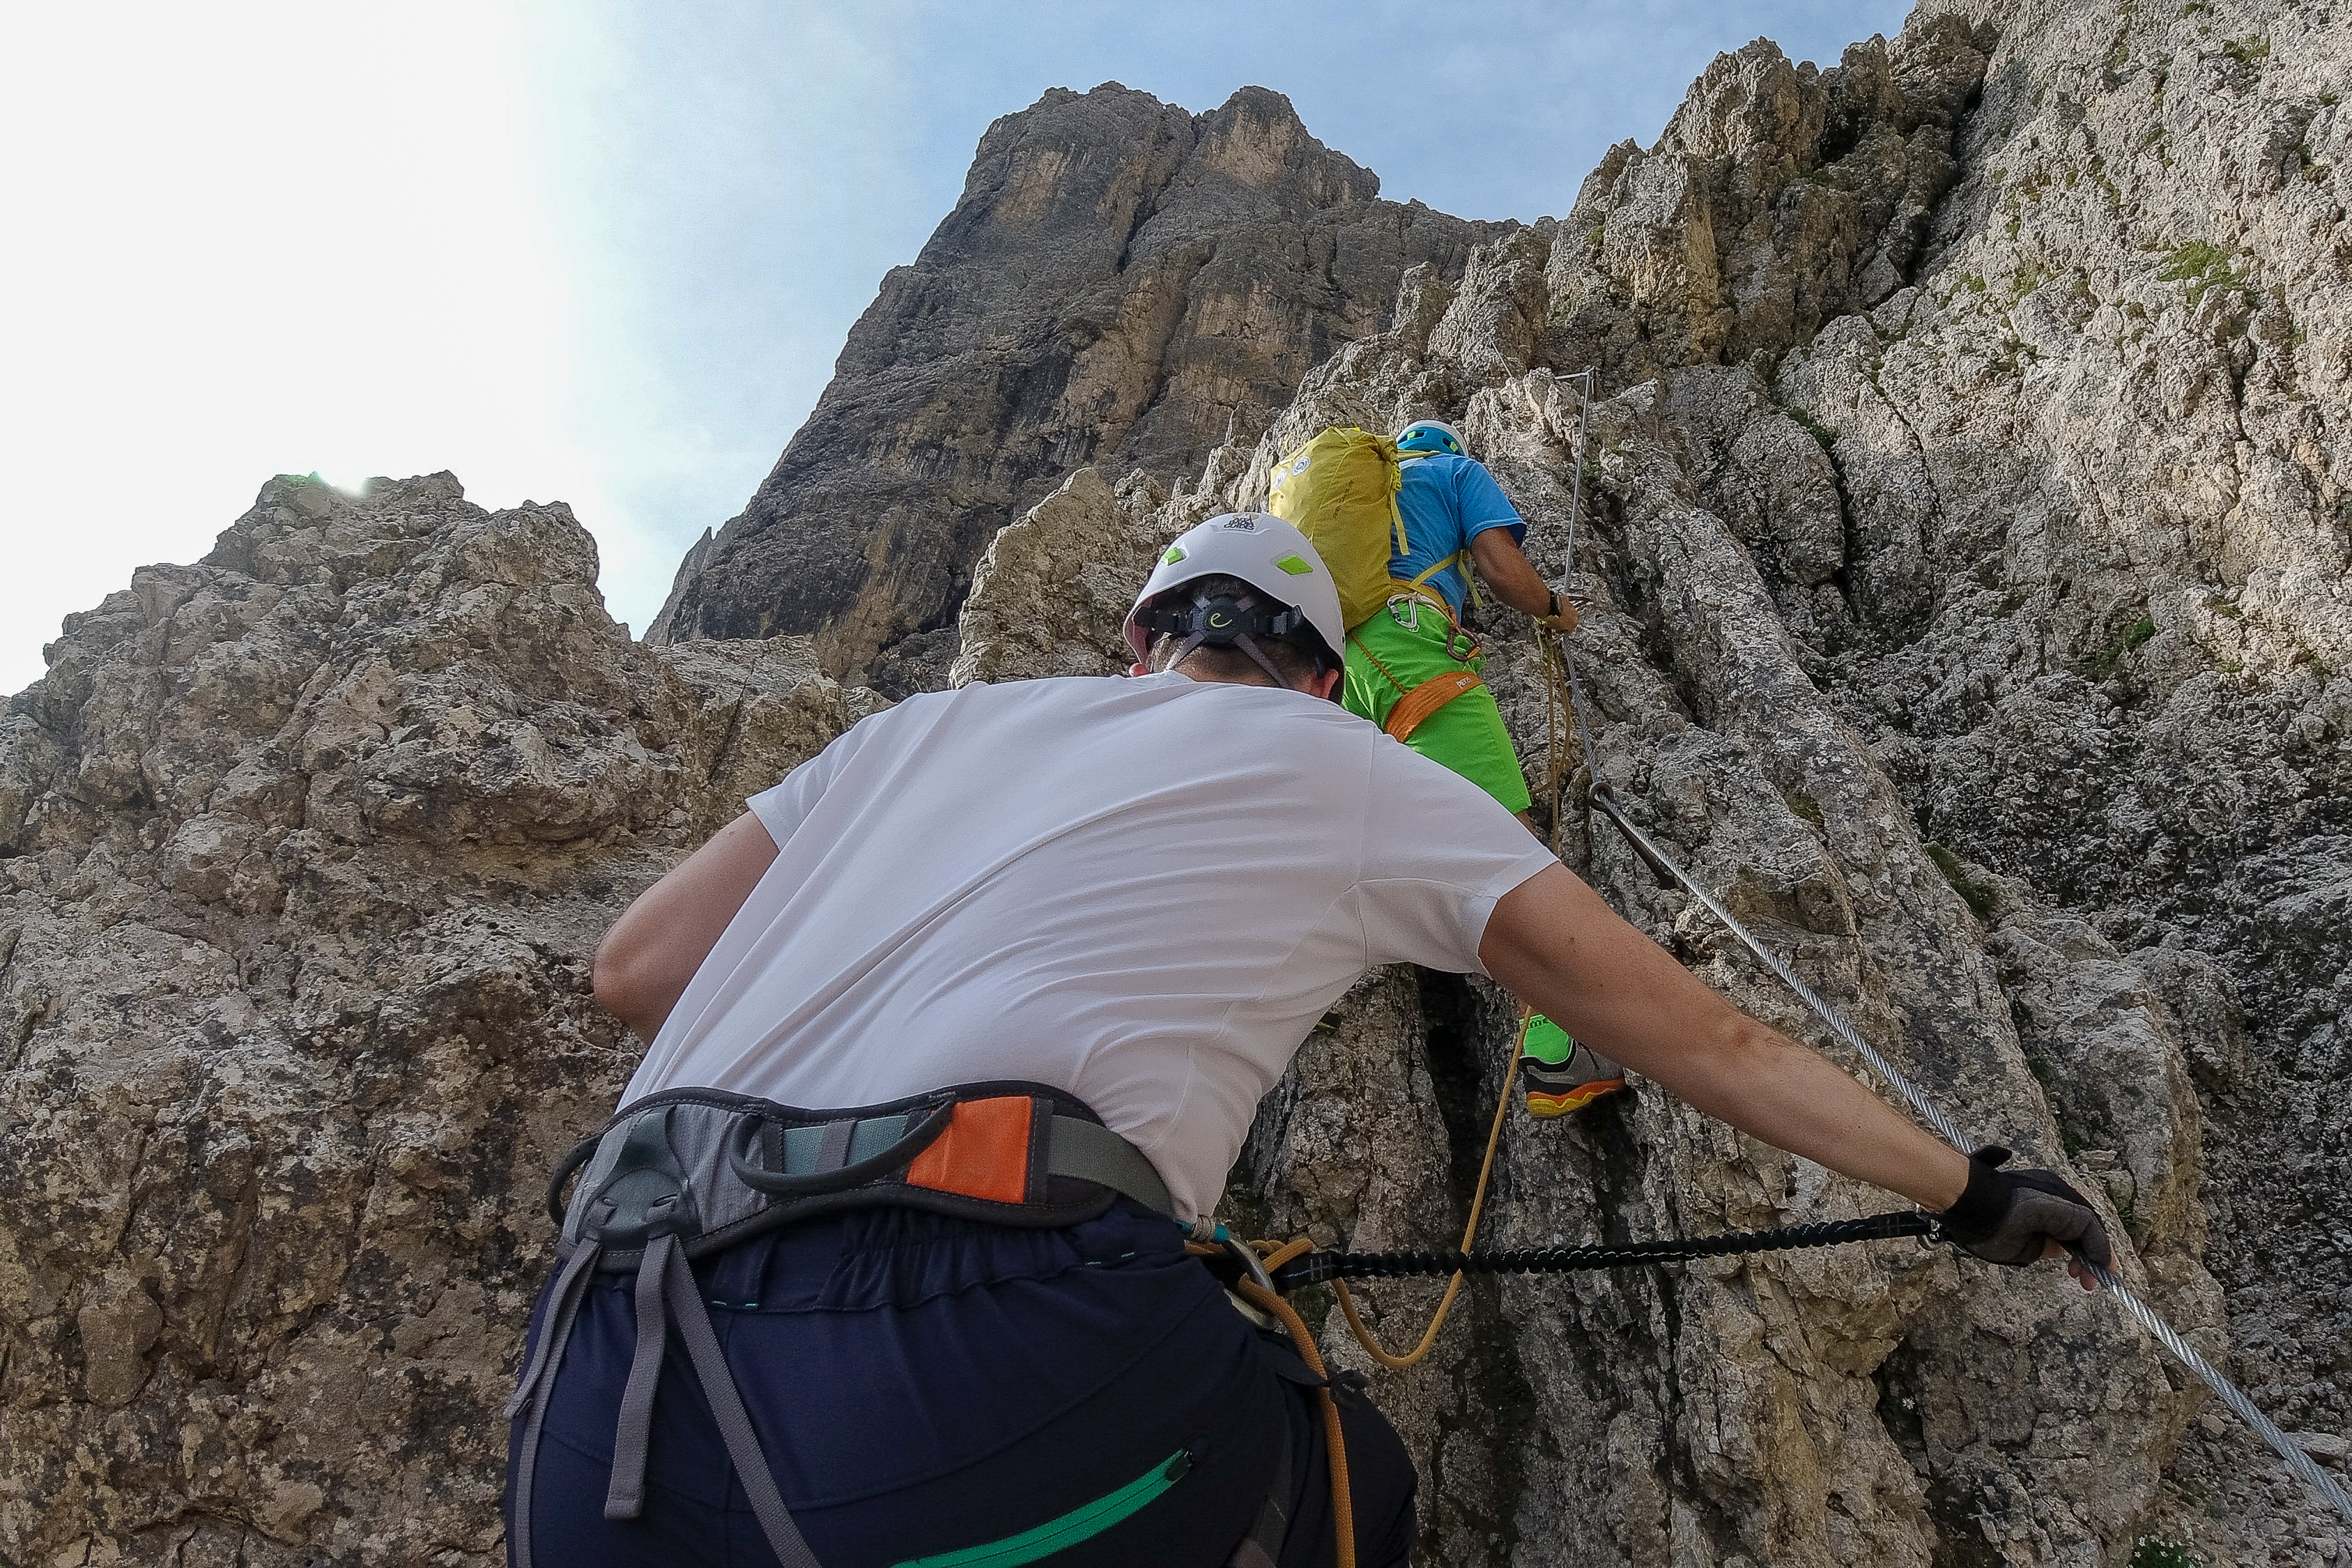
(1122, 282)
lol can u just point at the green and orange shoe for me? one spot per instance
(1561, 1075)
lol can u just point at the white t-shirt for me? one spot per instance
(1145, 892)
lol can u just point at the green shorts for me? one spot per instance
(1467, 734)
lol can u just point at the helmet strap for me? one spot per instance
(1200, 635)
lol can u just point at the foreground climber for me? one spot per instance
(1110, 910)
(1453, 516)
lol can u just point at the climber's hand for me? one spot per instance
(2017, 1218)
(1560, 615)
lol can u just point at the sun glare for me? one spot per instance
(273, 240)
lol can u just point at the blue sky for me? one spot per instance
(606, 251)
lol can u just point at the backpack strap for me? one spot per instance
(646, 1203)
(1462, 558)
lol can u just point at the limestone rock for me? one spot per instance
(310, 845)
(1049, 595)
(1123, 284)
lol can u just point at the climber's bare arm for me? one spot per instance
(1504, 568)
(1559, 948)
(653, 950)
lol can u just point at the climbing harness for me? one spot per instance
(687, 1173)
(1418, 703)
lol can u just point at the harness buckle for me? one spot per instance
(1251, 1263)
(648, 1194)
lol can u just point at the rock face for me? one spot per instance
(1965, 554)
(308, 846)
(1123, 283)
(1966, 560)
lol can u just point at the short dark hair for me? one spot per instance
(1300, 657)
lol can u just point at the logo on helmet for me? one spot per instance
(1241, 522)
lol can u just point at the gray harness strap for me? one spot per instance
(666, 1289)
(625, 1494)
(727, 1408)
(832, 1153)
(538, 1383)
(1095, 1153)
(1262, 1547)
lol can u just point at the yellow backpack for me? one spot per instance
(1339, 491)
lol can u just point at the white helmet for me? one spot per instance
(1263, 552)
(1424, 437)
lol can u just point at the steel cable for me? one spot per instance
(2302, 1464)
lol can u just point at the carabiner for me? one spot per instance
(1251, 1261)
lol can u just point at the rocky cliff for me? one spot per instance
(1123, 283)
(1965, 551)
(310, 843)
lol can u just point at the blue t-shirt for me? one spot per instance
(1447, 500)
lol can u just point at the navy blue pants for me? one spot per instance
(921, 1384)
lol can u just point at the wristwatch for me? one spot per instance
(1552, 613)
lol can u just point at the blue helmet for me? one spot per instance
(1428, 435)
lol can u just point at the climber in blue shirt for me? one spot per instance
(1411, 669)
(1448, 500)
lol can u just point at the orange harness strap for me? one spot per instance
(1415, 707)
(1416, 703)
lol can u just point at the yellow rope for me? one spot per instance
(1372, 1347)
(1343, 1506)
(1556, 766)
(1402, 687)
(1343, 1503)
(1556, 771)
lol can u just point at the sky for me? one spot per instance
(606, 251)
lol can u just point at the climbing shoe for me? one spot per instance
(1559, 1074)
